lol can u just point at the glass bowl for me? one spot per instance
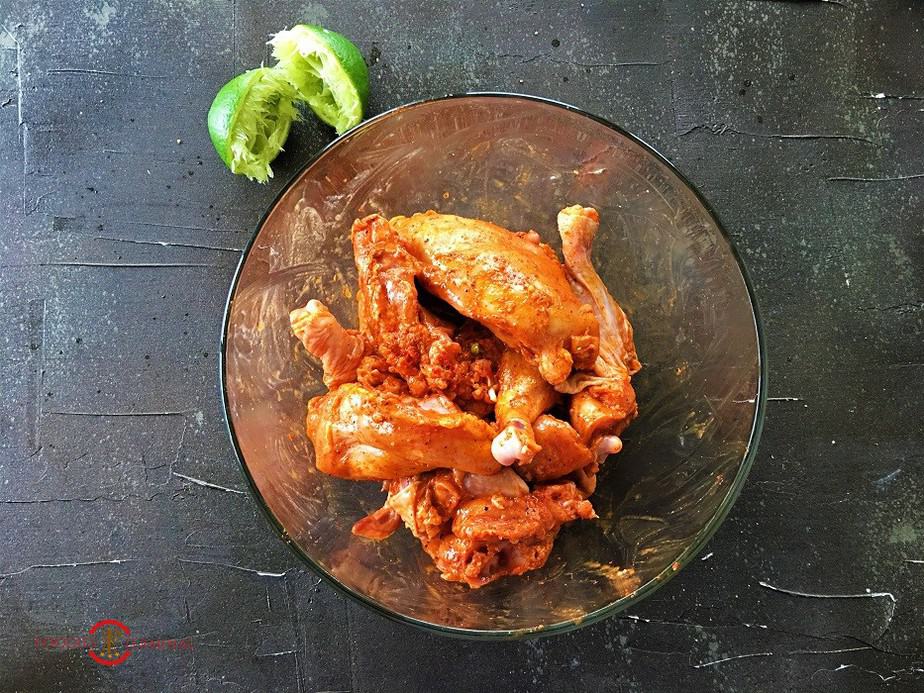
(514, 160)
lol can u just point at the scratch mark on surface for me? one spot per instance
(161, 225)
(70, 461)
(261, 573)
(171, 244)
(23, 129)
(707, 556)
(37, 310)
(524, 60)
(18, 72)
(24, 141)
(35, 501)
(916, 561)
(628, 63)
(234, 55)
(826, 2)
(885, 179)
(888, 478)
(722, 128)
(713, 663)
(842, 667)
(124, 264)
(95, 499)
(107, 73)
(816, 595)
(293, 612)
(207, 484)
(179, 412)
(839, 651)
(897, 97)
(905, 307)
(115, 561)
(276, 654)
(784, 399)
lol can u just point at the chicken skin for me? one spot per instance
(511, 283)
(523, 395)
(360, 433)
(339, 350)
(603, 400)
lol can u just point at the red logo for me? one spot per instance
(110, 643)
(113, 632)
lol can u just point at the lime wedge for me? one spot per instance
(249, 121)
(327, 71)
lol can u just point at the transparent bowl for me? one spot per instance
(515, 160)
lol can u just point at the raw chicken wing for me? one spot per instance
(339, 350)
(604, 400)
(360, 433)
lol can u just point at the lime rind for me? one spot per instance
(327, 71)
(249, 121)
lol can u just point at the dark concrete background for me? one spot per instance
(802, 122)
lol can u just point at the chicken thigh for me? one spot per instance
(511, 283)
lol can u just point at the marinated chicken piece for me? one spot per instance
(416, 349)
(508, 282)
(426, 502)
(359, 433)
(578, 227)
(505, 483)
(411, 343)
(378, 525)
(339, 350)
(411, 388)
(478, 563)
(604, 400)
(495, 536)
(586, 477)
(561, 453)
(606, 406)
(476, 384)
(523, 395)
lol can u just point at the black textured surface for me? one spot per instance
(802, 122)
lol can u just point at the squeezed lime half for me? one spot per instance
(327, 72)
(250, 119)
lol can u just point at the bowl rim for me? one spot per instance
(688, 554)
